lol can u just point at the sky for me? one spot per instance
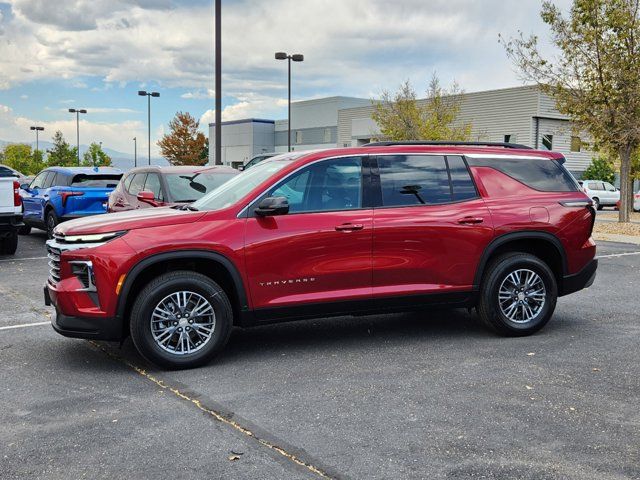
(96, 54)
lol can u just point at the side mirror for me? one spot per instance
(147, 197)
(272, 206)
(241, 168)
(24, 186)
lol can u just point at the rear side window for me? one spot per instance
(48, 181)
(540, 174)
(462, 185)
(413, 180)
(97, 181)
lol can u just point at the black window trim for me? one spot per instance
(365, 175)
(375, 177)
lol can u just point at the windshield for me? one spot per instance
(240, 185)
(189, 187)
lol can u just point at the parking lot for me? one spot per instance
(423, 395)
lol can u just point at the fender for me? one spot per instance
(509, 237)
(180, 254)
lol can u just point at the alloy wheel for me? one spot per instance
(183, 323)
(522, 295)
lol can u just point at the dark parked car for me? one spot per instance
(156, 186)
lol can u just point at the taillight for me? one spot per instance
(65, 195)
(588, 204)
(17, 200)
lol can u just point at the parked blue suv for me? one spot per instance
(57, 194)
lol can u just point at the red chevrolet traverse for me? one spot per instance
(499, 227)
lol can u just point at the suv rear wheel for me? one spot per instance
(180, 320)
(518, 295)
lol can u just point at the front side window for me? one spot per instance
(609, 187)
(152, 184)
(39, 180)
(413, 180)
(323, 186)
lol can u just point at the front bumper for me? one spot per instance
(95, 328)
(583, 279)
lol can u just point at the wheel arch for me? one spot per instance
(212, 264)
(543, 245)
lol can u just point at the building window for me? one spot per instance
(507, 139)
(327, 135)
(547, 142)
(298, 137)
(576, 144)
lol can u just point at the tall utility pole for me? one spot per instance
(218, 48)
(77, 112)
(144, 93)
(296, 58)
(37, 129)
(135, 152)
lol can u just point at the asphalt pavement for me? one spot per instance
(423, 395)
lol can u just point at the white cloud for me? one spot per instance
(24, 96)
(114, 135)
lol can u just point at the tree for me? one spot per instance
(600, 169)
(184, 145)
(62, 154)
(96, 157)
(22, 158)
(595, 77)
(401, 117)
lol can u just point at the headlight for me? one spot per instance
(92, 238)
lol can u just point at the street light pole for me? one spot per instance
(218, 48)
(77, 112)
(296, 58)
(143, 93)
(37, 129)
(135, 152)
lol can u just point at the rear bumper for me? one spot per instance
(10, 222)
(578, 281)
(95, 328)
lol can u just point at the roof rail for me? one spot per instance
(447, 143)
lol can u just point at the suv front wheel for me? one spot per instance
(518, 295)
(180, 320)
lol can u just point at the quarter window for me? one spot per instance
(137, 184)
(413, 180)
(323, 186)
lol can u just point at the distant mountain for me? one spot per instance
(121, 160)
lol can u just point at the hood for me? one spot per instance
(131, 220)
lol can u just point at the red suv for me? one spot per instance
(389, 227)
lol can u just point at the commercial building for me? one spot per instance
(522, 115)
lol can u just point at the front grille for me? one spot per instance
(54, 264)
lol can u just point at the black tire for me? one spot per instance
(596, 203)
(24, 230)
(489, 309)
(51, 222)
(9, 244)
(154, 293)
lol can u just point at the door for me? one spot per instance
(612, 194)
(430, 227)
(35, 197)
(318, 253)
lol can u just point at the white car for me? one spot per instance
(602, 193)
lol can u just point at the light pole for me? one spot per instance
(296, 58)
(77, 112)
(135, 152)
(144, 93)
(218, 48)
(37, 129)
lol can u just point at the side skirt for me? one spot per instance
(265, 316)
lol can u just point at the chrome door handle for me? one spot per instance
(470, 221)
(349, 227)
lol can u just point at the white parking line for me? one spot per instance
(613, 255)
(20, 259)
(25, 325)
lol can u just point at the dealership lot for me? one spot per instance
(422, 395)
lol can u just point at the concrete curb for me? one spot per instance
(614, 237)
